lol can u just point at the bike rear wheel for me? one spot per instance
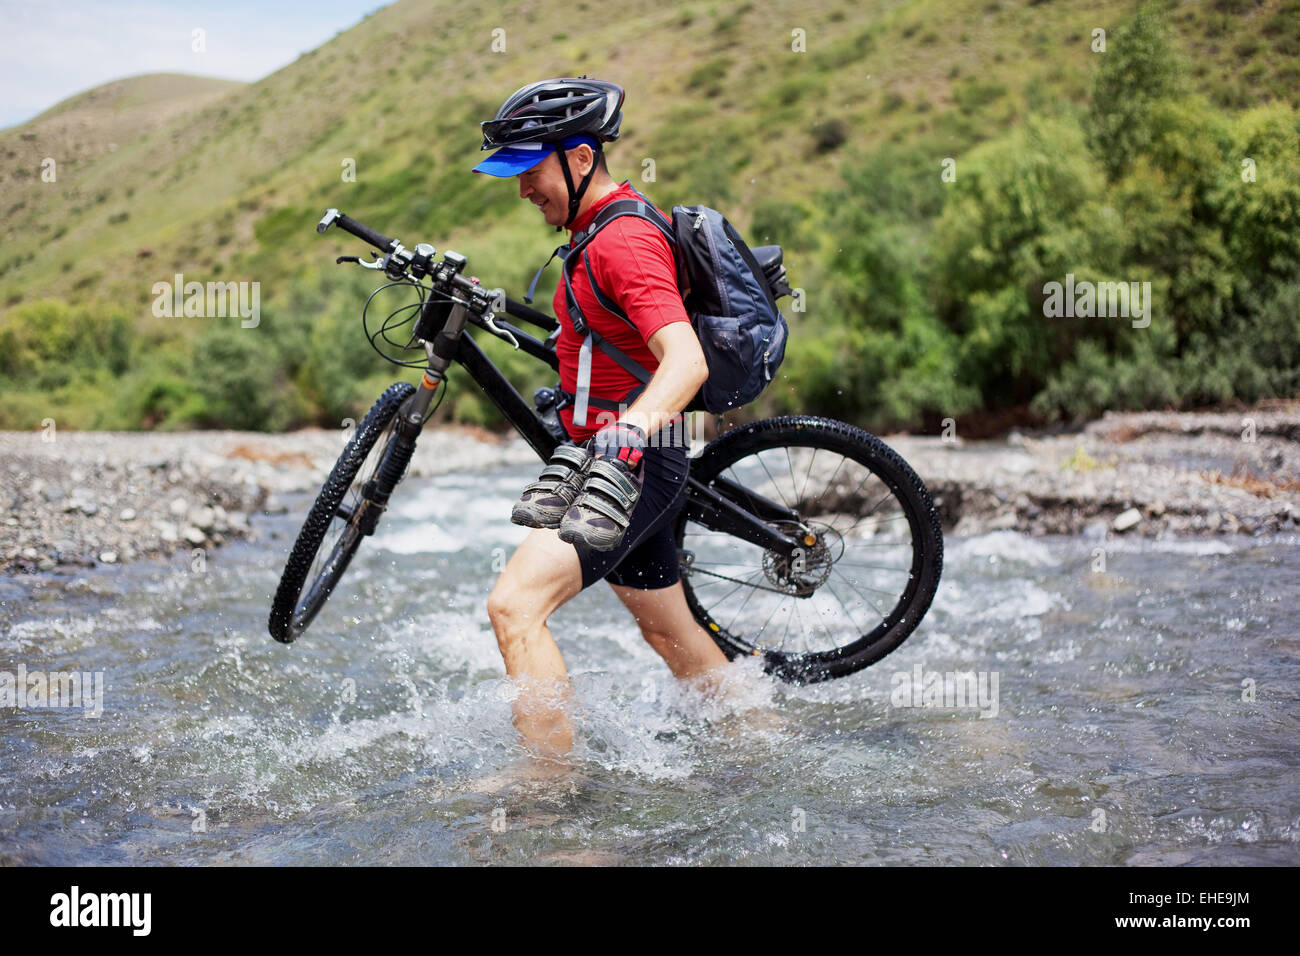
(871, 566)
(346, 510)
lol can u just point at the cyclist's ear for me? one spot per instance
(584, 158)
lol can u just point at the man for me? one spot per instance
(608, 513)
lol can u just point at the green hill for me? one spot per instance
(836, 147)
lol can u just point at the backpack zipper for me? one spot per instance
(713, 252)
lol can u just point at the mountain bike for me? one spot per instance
(804, 541)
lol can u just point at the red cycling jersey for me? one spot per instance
(633, 265)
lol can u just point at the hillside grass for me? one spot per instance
(232, 187)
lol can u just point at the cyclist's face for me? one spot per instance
(544, 186)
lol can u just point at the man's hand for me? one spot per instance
(622, 441)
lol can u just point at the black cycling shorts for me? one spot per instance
(647, 556)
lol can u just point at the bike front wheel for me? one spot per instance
(346, 510)
(870, 568)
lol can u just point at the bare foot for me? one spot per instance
(529, 774)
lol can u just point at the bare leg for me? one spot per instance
(669, 627)
(541, 575)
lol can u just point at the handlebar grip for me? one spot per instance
(362, 231)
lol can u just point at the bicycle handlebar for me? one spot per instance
(422, 265)
(358, 229)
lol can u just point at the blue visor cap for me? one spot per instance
(513, 160)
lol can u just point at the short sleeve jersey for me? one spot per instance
(633, 265)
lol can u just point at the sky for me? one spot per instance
(55, 48)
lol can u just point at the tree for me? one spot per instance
(1140, 68)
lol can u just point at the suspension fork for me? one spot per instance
(441, 351)
(411, 417)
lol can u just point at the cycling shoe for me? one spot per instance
(544, 503)
(600, 515)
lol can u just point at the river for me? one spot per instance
(1138, 705)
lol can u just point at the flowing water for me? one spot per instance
(1133, 704)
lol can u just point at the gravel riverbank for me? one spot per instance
(106, 497)
(1150, 473)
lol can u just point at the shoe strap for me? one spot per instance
(570, 455)
(611, 480)
(602, 506)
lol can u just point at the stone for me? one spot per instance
(1003, 521)
(167, 531)
(1127, 519)
(179, 507)
(45, 564)
(1095, 531)
(126, 514)
(195, 536)
(203, 518)
(108, 557)
(53, 493)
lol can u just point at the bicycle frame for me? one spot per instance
(717, 508)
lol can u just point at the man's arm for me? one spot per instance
(682, 370)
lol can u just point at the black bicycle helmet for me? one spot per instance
(555, 112)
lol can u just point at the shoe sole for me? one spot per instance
(529, 520)
(576, 538)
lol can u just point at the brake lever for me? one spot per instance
(489, 319)
(372, 264)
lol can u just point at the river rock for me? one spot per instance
(108, 557)
(179, 507)
(126, 514)
(1127, 519)
(203, 517)
(195, 536)
(1003, 521)
(1096, 531)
